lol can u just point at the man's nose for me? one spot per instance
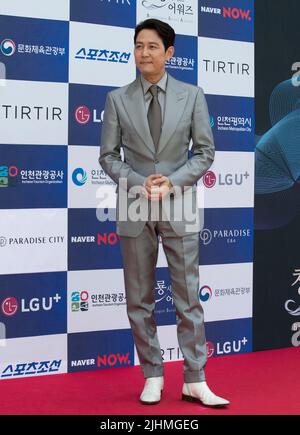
(145, 52)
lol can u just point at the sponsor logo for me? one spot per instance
(233, 346)
(8, 47)
(82, 300)
(229, 12)
(22, 241)
(31, 368)
(226, 67)
(209, 179)
(36, 113)
(82, 114)
(79, 301)
(113, 359)
(232, 123)
(79, 177)
(164, 292)
(181, 8)
(83, 362)
(205, 236)
(96, 176)
(107, 238)
(181, 63)
(10, 305)
(9, 176)
(230, 235)
(103, 55)
(205, 293)
(210, 348)
(237, 179)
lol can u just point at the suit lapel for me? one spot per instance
(176, 99)
(133, 100)
(134, 105)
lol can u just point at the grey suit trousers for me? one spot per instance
(139, 259)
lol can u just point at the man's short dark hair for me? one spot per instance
(164, 30)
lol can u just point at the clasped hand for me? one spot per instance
(156, 187)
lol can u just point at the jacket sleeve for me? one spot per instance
(110, 156)
(203, 149)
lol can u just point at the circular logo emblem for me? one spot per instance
(8, 47)
(79, 177)
(205, 293)
(84, 295)
(210, 348)
(205, 236)
(209, 179)
(2, 241)
(9, 306)
(82, 114)
(212, 121)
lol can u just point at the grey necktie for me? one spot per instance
(154, 115)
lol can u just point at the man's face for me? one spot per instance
(150, 55)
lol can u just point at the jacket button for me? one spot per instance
(156, 161)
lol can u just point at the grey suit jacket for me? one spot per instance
(126, 125)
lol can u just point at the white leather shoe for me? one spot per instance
(200, 392)
(152, 391)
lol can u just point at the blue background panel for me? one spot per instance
(34, 32)
(33, 176)
(34, 304)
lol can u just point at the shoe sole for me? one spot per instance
(151, 403)
(195, 400)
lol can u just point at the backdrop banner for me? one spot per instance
(62, 298)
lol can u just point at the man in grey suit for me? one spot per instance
(154, 119)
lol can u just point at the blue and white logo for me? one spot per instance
(79, 177)
(205, 293)
(8, 47)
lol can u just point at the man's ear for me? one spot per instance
(170, 52)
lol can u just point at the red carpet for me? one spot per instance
(265, 382)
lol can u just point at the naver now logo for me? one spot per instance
(113, 360)
(229, 12)
(236, 13)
